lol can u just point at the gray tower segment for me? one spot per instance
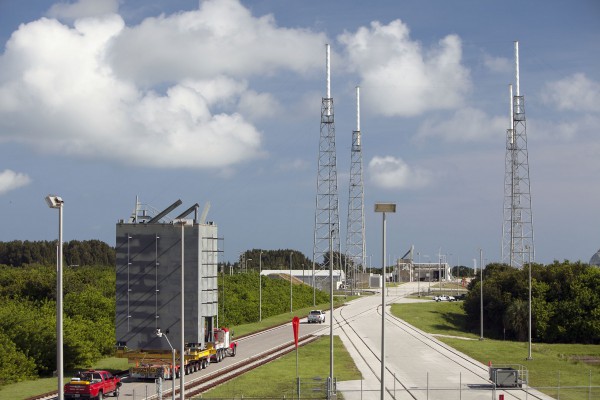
(327, 220)
(517, 227)
(148, 289)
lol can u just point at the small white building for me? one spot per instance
(320, 279)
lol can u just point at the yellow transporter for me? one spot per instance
(152, 364)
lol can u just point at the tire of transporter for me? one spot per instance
(204, 363)
(116, 392)
(100, 396)
(219, 355)
(233, 351)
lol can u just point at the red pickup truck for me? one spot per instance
(92, 385)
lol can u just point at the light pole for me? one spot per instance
(160, 334)
(383, 208)
(481, 291)
(330, 390)
(246, 263)
(419, 275)
(291, 287)
(182, 353)
(260, 287)
(57, 202)
(529, 357)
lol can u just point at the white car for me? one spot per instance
(316, 316)
(444, 298)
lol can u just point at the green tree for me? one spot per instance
(14, 365)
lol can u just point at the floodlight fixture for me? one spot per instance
(54, 201)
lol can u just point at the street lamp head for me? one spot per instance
(54, 201)
(158, 332)
(385, 207)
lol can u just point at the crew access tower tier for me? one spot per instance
(150, 253)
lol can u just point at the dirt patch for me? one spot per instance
(591, 360)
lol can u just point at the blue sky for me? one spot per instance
(219, 101)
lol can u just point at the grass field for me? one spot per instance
(573, 365)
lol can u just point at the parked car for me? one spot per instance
(441, 298)
(315, 316)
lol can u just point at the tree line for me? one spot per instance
(75, 252)
(28, 318)
(565, 302)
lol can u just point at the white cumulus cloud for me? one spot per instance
(169, 92)
(221, 37)
(10, 180)
(401, 78)
(573, 93)
(393, 173)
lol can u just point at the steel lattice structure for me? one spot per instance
(355, 225)
(517, 228)
(327, 220)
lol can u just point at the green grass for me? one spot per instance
(551, 362)
(435, 317)
(277, 320)
(313, 369)
(23, 390)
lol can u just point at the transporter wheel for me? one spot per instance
(100, 396)
(116, 392)
(233, 351)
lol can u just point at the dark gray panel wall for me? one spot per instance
(148, 292)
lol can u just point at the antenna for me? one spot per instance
(517, 66)
(358, 109)
(328, 69)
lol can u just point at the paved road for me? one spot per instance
(418, 365)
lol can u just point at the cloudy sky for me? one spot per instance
(219, 101)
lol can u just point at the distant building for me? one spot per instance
(148, 291)
(424, 272)
(306, 276)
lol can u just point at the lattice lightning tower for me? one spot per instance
(517, 228)
(355, 228)
(327, 220)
